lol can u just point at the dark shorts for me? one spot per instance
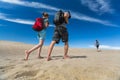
(60, 33)
(97, 46)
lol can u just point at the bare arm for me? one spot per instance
(46, 24)
(66, 15)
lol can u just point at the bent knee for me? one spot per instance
(40, 44)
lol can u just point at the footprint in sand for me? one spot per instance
(3, 69)
(7, 67)
(25, 74)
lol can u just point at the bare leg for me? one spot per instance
(39, 49)
(27, 52)
(50, 50)
(97, 48)
(66, 46)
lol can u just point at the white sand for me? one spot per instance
(85, 64)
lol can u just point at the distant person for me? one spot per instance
(60, 32)
(41, 34)
(97, 45)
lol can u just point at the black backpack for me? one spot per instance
(59, 18)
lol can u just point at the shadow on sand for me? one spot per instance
(70, 57)
(78, 56)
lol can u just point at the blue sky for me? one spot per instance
(91, 20)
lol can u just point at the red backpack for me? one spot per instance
(39, 24)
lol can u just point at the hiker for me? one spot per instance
(97, 45)
(41, 34)
(60, 32)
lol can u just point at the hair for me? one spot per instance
(45, 14)
(69, 14)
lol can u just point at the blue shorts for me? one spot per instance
(42, 34)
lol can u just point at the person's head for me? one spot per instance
(96, 40)
(45, 15)
(67, 14)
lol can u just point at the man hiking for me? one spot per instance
(60, 32)
(97, 45)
